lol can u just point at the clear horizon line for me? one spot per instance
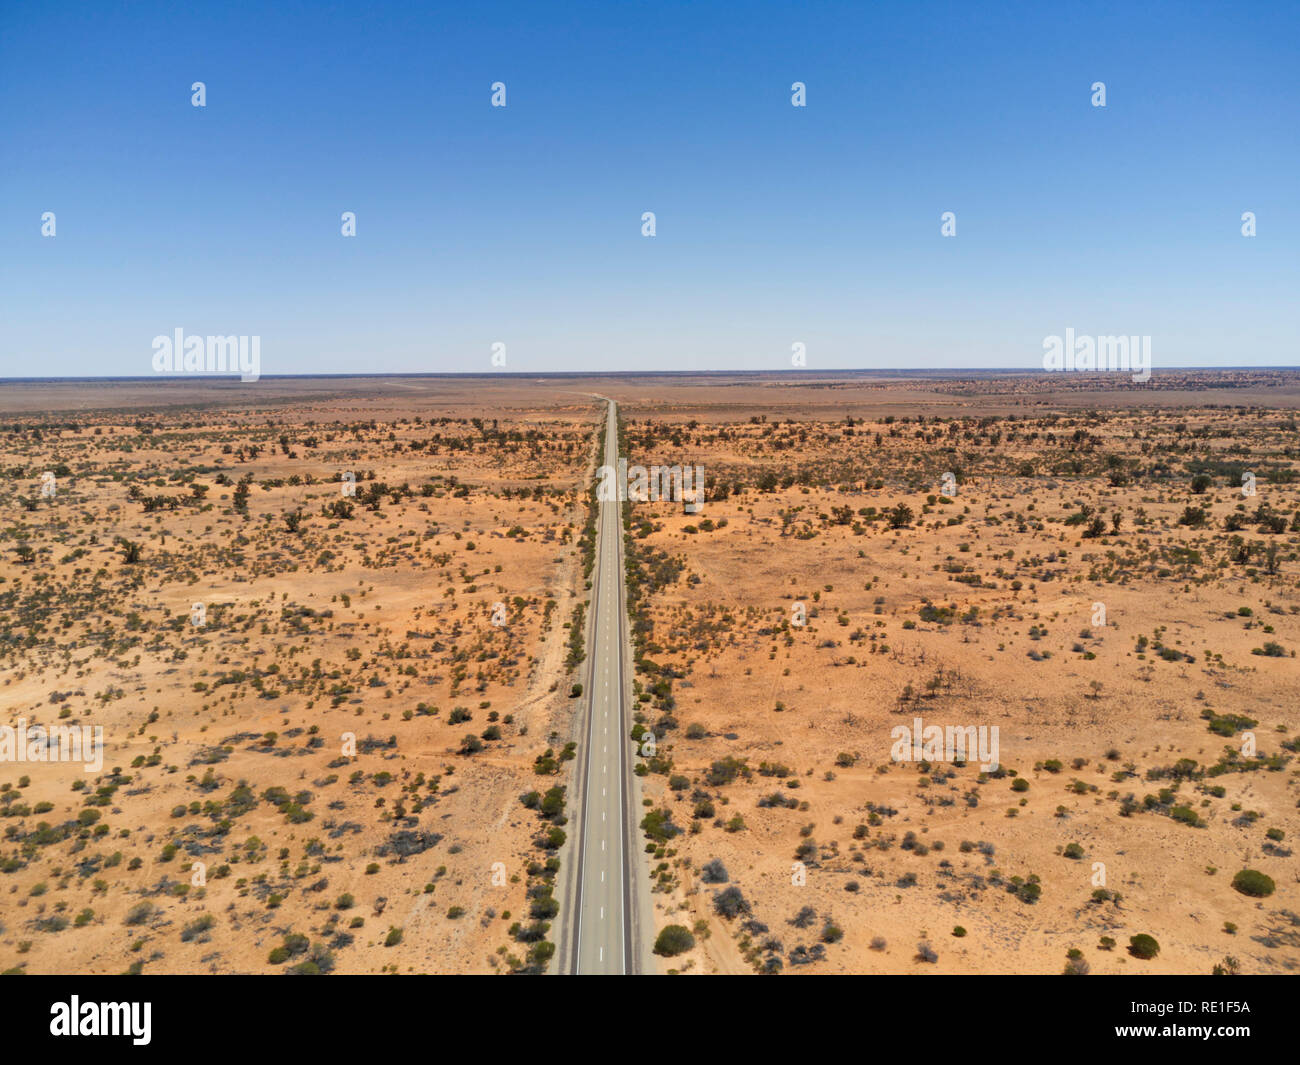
(955, 372)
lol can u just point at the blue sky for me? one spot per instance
(522, 224)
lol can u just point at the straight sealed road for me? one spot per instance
(604, 926)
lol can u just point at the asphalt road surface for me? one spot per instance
(604, 932)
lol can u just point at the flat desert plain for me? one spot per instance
(331, 631)
(1104, 577)
(327, 636)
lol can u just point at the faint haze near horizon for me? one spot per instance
(521, 225)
